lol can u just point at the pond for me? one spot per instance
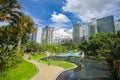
(91, 70)
(88, 69)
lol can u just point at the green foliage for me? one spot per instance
(8, 58)
(12, 35)
(37, 56)
(52, 48)
(23, 71)
(6, 51)
(6, 36)
(115, 49)
(106, 45)
(98, 44)
(70, 45)
(84, 46)
(32, 47)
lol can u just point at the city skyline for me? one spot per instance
(80, 32)
(62, 14)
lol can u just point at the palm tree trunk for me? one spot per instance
(19, 45)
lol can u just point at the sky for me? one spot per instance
(62, 14)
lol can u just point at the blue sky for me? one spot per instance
(43, 9)
(62, 14)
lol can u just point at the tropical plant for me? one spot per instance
(25, 27)
(5, 53)
(70, 45)
(32, 46)
(7, 35)
(107, 45)
(9, 10)
(84, 46)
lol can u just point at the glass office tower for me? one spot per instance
(106, 24)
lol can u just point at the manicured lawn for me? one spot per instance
(64, 64)
(23, 71)
(37, 56)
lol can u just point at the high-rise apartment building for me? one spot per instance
(57, 41)
(117, 26)
(33, 37)
(85, 32)
(47, 35)
(79, 33)
(106, 24)
(61, 41)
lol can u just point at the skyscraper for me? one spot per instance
(79, 32)
(117, 26)
(47, 35)
(92, 27)
(106, 24)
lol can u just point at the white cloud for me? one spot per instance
(60, 26)
(87, 9)
(37, 20)
(60, 18)
(63, 33)
(61, 30)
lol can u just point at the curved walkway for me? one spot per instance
(45, 72)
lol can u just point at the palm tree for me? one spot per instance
(4, 34)
(26, 26)
(9, 10)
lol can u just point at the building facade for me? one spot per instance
(33, 37)
(79, 33)
(117, 26)
(57, 41)
(106, 24)
(85, 32)
(92, 27)
(47, 35)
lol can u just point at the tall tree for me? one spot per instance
(26, 26)
(84, 46)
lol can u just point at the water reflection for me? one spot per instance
(88, 70)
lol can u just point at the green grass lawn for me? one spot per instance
(64, 64)
(37, 56)
(23, 71)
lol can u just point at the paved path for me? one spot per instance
(45, 72)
